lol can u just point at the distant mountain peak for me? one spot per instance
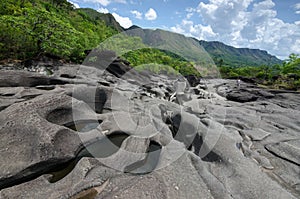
(192, 48)
(108, 18)
(238, 56)
(133, 27)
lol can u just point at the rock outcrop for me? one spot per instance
(85, 132)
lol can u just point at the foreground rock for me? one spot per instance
(93, 133)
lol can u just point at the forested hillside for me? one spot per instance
(199, 51)
(33, 27)
(30, 28)
(107, 18)
(224, 55)
(186, 47)
(137, 53)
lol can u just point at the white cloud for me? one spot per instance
(151, 14)
(120, 1)
(102, 2)
(105, 2)
(189, 15)
(103, 10)
(224, 16)
(133, 2)
(265, 31)
(137, 14)
(125, 22)
(297, 8)
(190, 29)
(74, 4)
(236, 23)
(190, 9)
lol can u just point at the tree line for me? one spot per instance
(285, 75)
(33, 27)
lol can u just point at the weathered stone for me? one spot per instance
(87, 132)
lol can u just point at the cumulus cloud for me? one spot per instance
(125, 22)
(105, 2)
(120, 1)
(297, 8)
(74, 4)
(137, 14)
(151, 14)
(224, 16)
(243, 23)
(102, 2)
(194, 30)
(103, 10)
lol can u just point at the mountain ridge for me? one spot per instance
(249, 56)
(67, 32)
(108, 18)
(221, 54)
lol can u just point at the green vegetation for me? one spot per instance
(33, 27)
(139, 54)
(121, 44)
(186, 47)
(285, 75)
(224, 55)
(30, 28)
(164, 60)
(107, 18)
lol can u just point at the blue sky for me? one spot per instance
(272, 25)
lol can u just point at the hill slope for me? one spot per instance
(30, 28)
(238, 56)
(198, 51)
(186, 47)
(107, 18)
(56, 27)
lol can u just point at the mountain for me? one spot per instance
(107, 18)
(228, 55)
(177, 43)
(29, 29)
(186, 47)
(203, 51)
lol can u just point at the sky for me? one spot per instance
(271, 25)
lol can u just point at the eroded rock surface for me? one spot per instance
(85, 132)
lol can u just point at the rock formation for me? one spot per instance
(85, 132)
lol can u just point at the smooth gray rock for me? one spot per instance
(86, 132)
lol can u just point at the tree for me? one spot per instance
(32, 27)
(292, 65)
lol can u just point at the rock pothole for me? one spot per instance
(83, 125)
